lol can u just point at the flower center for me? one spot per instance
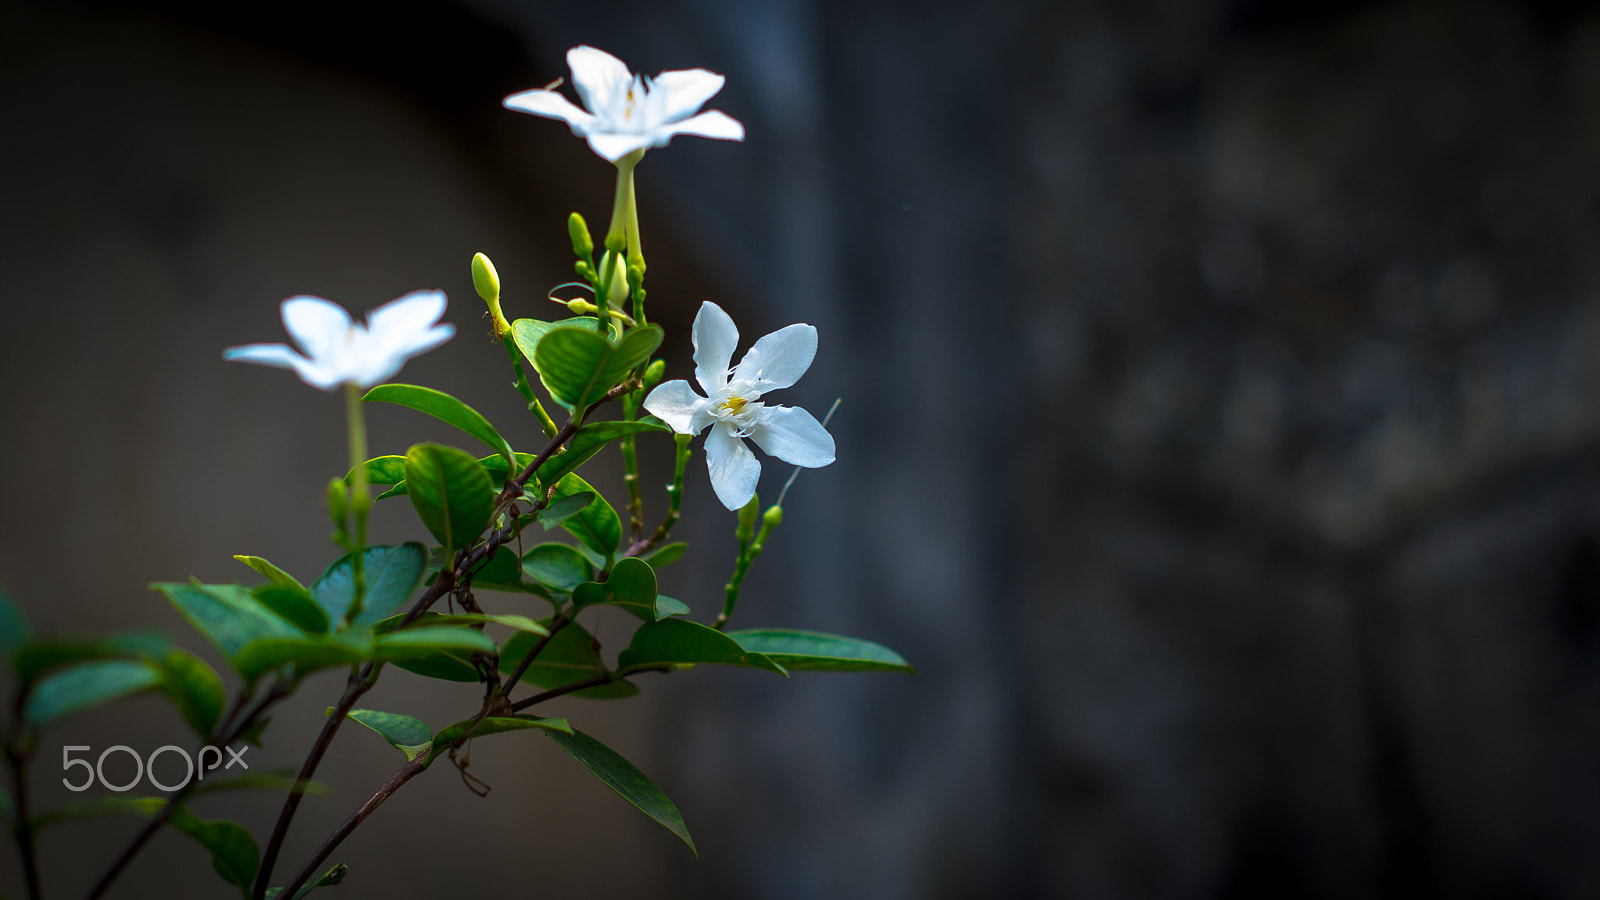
(733, 405)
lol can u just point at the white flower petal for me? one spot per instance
(713, 124)
(405, 318)
(283, 357)
(319, 326)
(613, 147)
(714, 336)
(596, 75)
(779, 359)
(685, 90)
(794, 436)
(551, 105)
(734, 469)
(676, 404)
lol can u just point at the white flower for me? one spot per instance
(732, 406)
(339, 351)
(625, 112)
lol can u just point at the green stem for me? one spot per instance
(360, 494)
(747, 555)
(630, 471)
(674, 498)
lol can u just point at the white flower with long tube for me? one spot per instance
(732, 405)
(339, 351)
(623, 112)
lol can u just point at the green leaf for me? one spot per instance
(329, 878)
(392, 573)
(557, 566)
(503, 572)
(514, 622)
(382, 470)
(256, 781)
(567, 658)
(451, 492)
(14, 629)
(227, 614)
(195, 689)
(817, 651)
(85, 686)
(444, 407)
(673, 641)
(666, 554)
(527, 332)
(629, 783)
(416, 642)
(586, 442)
(493, 725)
(632, 586)
(561, 510)
(579, 366)
(410, 736)
(272, 573)
(39, 657)
(443, 665)
(234, 854)
(306, 652)
(597, 526)
(295, 605)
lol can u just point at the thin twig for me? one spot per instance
(309, 870)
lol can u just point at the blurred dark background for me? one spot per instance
(1219, 434)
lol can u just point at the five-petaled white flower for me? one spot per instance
(339, 351)
(732, 407)
(627, 112)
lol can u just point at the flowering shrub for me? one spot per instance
(376, 608)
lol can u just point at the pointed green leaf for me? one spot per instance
(503, 572)
(409, 735)
(39, 657)
(557, 566)
(632, 586)
(417, 642)
(514, 622)
(567, 658)
(815, 650)
(14, 629)
(294, 604)
(561, 510)
(86, 686)
(234, 854)
(597, 526)
(579, 366)
(629, 783)
(391, 573)
(441, 664)
(588, 441)
(493, 725)
(195, 689)
(227, 614)
(666, 554)
(527, 332)
(272, 573)
(672, 641)
(306, 652)
(381, 470)
(444, 407)
(451, 492)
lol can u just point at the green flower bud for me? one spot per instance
(338, 504)
(747, 519)
(617, 291)
(653, 373)
(582, 243)
(583, 271)
(582, 307)
(773, 517)
(487, 282)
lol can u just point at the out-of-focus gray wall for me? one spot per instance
(1216, 438)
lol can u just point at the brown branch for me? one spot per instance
(309, 870)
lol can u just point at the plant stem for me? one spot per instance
(23, 830)
(747, 555)
(553, 693)
(674, 499)
(309, 870)
(360, 494)
(630, 471)
(556, 624)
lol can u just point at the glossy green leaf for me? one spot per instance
(493, 725)
(451, 492)
(392, 574)
(587, 441)
(381, 470)
(227, 614)
(409, 735)
(672, 641)
(444, 407)
(41, 656)
(14, 628)
(597, 526)
(567, 658)
(558, 566)
(514, 622)
(86, 686)
(306, 652)
(578, 366)
(632, 586)
(430, 639)
(329, 878)
(194, 688)
(503, 572)
(270, 572)
(815, 650)
(294, 605)
(234, 854)
(527, 332)
(561, 510)
(629, 783)
(440, 664)
(665, 555)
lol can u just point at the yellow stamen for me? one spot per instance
(733, 404)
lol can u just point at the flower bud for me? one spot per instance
(582, 307)
(338, 503)
(617, 291)
(584, 271)
(747, 519)
(653, 373)
(773, 517)
(487, 282)
(582, 243)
